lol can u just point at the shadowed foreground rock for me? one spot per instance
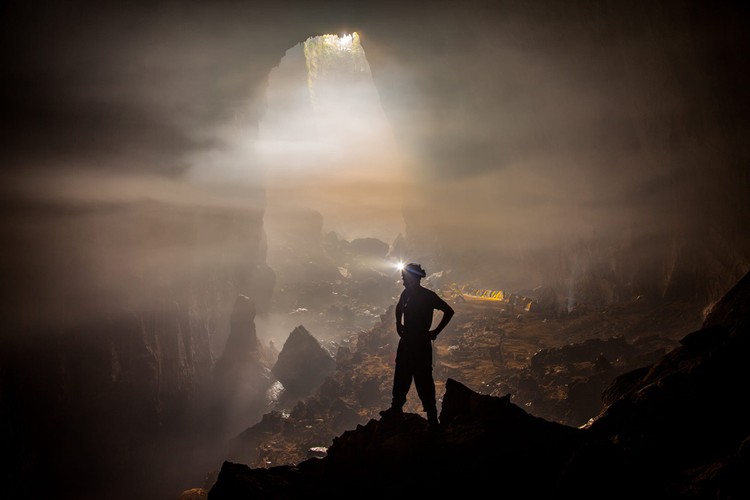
(676, 429)
(402, 456)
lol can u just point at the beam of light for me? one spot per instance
(400, 266)
(325, 53)
(324, 142)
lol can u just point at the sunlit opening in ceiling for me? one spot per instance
(325, 141)
(333, 62)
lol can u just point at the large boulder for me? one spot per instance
(303, 364)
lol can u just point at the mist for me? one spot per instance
(510, 131)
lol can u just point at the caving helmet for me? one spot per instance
(415, 269)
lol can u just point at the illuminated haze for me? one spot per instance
(325, 143)
(520, 130)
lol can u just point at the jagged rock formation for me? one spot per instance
(242, 374)
(676, 429)
(303, 364)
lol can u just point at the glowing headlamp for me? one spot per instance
(412, 268)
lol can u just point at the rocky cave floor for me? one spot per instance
(555, 367)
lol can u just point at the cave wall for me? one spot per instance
(604, 138)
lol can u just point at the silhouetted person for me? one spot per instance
(414, 313)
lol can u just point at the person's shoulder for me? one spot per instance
(435, 296)
(428, 291)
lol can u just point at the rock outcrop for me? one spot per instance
(241, 375)
(683, 423)
(303, 364)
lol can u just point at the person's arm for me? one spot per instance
(448, 313)
(399, 316)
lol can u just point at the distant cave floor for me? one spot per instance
(539, 358)
(555, 367)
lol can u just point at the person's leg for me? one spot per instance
(401, 378)
(425, 385)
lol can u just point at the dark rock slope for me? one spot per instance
(303, 363)
(676, 429)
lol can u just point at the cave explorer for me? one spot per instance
(416, 306)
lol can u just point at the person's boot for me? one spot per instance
(392, 412)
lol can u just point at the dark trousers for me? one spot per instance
(414, 361)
